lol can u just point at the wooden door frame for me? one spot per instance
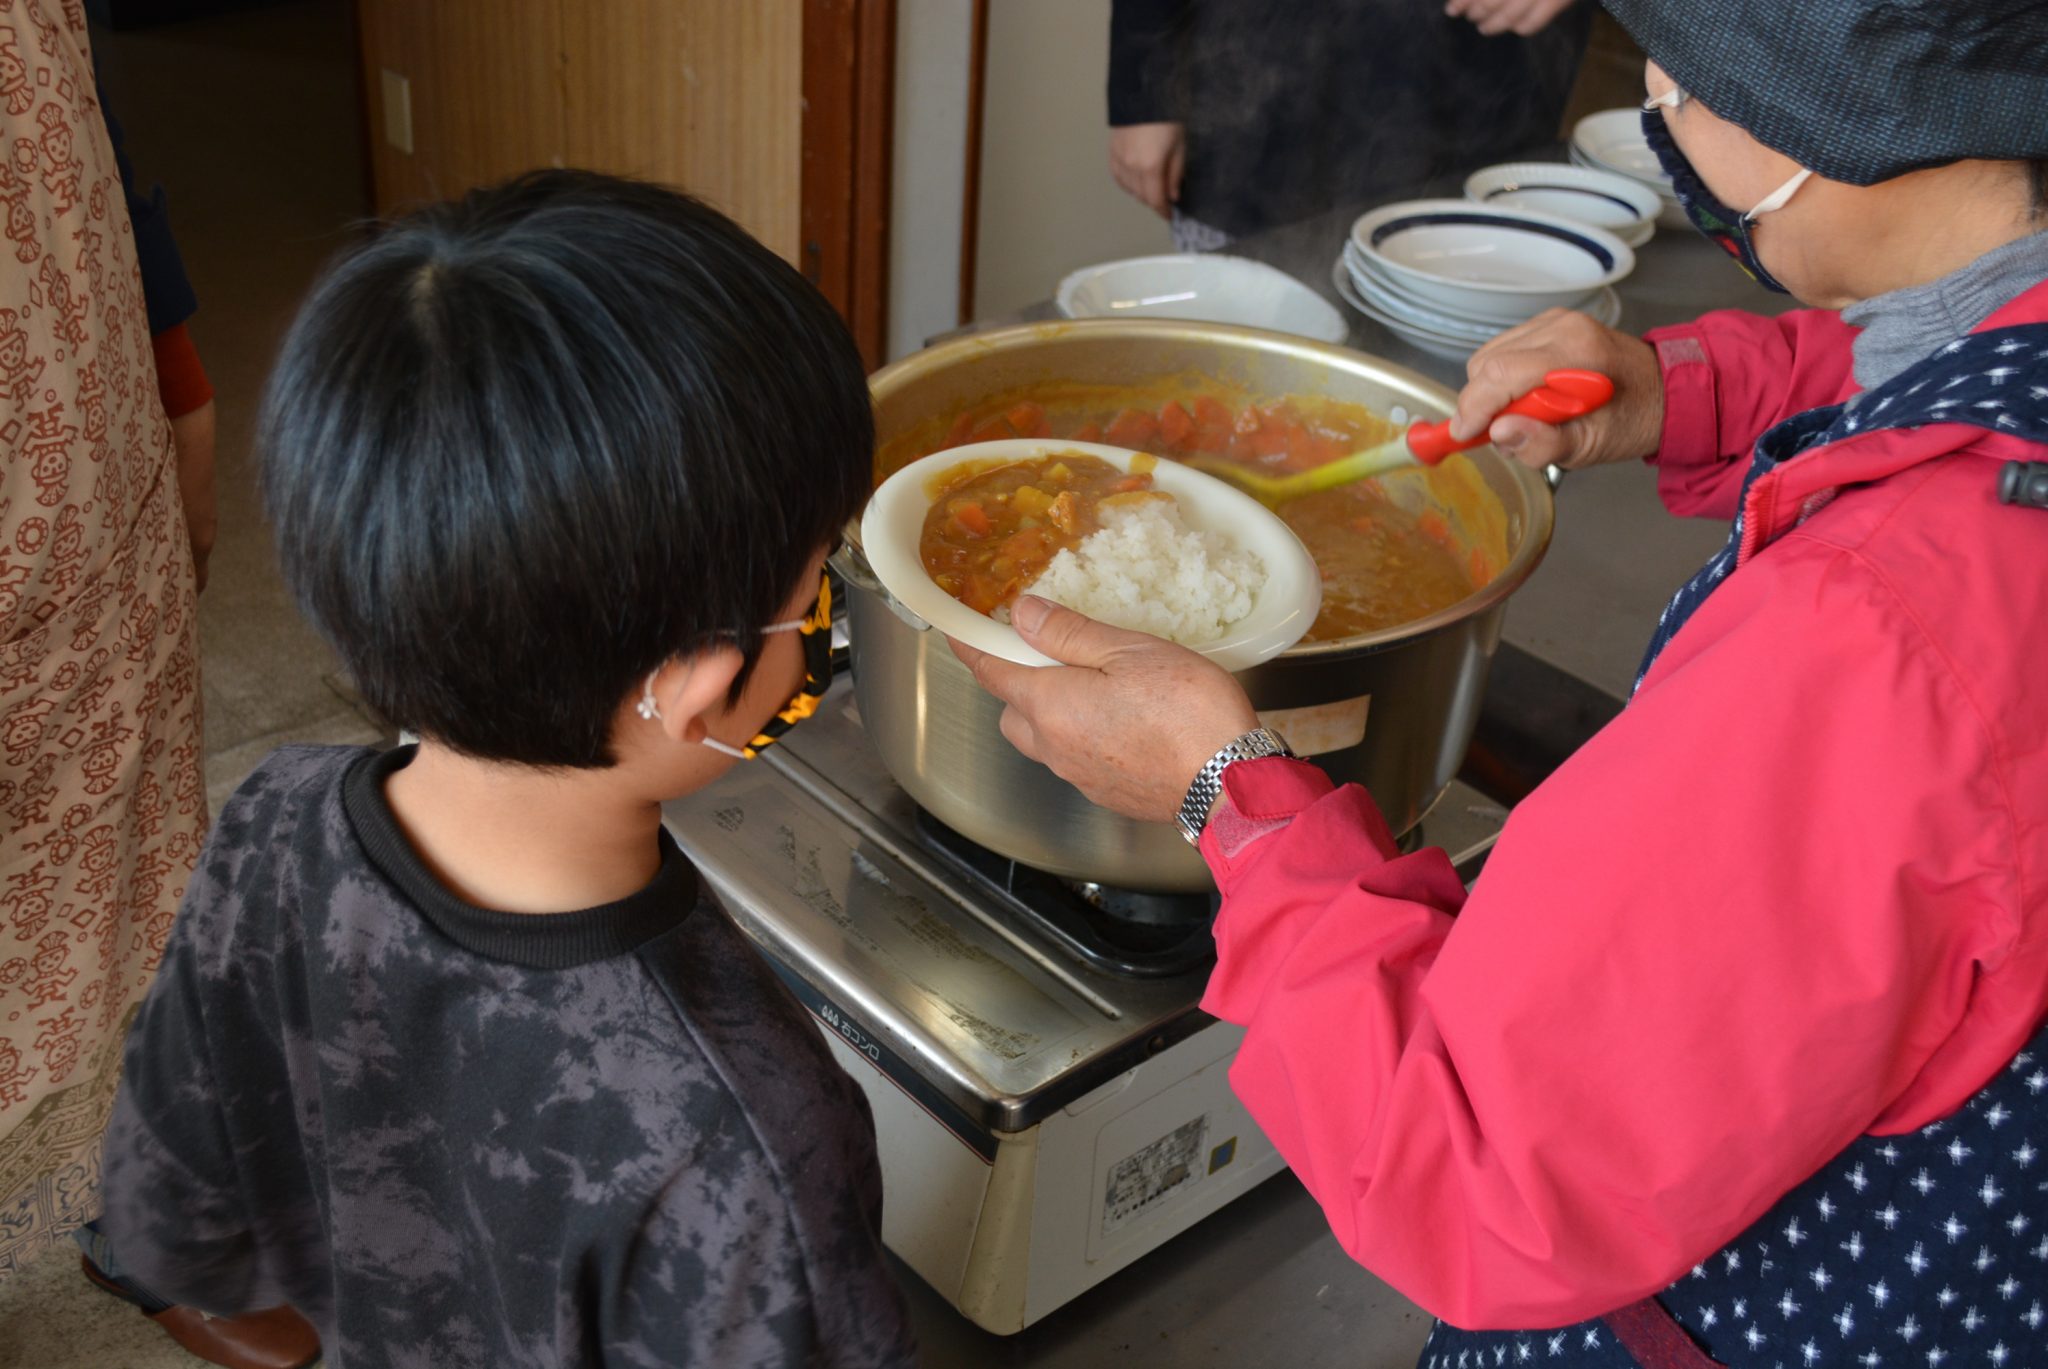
(849, 128)
(970, 197)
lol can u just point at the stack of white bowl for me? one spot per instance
(1445, 276)
(1612, 141)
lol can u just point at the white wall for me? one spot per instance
(1048, 204)
(932, 38)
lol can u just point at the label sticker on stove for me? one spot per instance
(863, 1043)
(1320, 728)
(1138, 1182)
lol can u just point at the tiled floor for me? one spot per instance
(250, 122)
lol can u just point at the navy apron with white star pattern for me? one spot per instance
(1921, 1251)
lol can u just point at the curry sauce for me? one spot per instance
(992, 530)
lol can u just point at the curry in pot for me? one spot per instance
(1385, 561)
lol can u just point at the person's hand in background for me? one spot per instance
(1147, 160)
(193, 435)
(1492, 17)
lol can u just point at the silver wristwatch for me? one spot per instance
(1208, 785)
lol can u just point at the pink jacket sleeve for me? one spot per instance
(1728, 376)
(1705, 955)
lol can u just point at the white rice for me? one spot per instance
(1147, 570)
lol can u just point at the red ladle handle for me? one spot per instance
(1563, 396)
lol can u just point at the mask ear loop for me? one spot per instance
(648, 709)
(1777, 198)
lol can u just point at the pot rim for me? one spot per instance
(1538, 502)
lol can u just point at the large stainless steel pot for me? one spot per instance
(1416, 687)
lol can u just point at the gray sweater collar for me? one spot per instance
(1904, 326)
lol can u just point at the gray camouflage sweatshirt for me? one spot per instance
(451, 1136)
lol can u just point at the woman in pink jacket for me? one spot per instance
(1735, 1054)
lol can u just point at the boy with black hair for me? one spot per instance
(450, 1049)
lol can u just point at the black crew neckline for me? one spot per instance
(540, 941)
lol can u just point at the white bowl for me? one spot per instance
(1282, 611)
(1423, 342)
(1387, 292)
(1504, 264)
(1383, 301)
(1613, 138)
(1671, 215)
(1657, 185)
(1422, 339)
(1435, 334)
(1620, 204)
(1211, 289)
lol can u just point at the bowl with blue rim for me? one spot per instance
(1487, 263)
(1620, 204)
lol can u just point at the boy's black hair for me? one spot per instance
(522, 448)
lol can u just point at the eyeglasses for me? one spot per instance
(816, 627)
(1676, 96)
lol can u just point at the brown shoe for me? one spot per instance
(275, 1339)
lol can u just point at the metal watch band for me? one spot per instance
(1208, 785)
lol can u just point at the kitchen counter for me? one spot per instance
(1263, 1282)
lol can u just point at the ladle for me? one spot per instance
(1563, 396)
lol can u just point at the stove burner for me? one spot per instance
(1123, 931)
(1143, 907)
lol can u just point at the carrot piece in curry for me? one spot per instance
(1133, 428)
(961, 432)
(973, 520)
(1176, 425)
(1028, 419)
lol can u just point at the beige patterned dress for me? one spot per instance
(101, 802)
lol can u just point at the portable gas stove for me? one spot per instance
(1050, 1102)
